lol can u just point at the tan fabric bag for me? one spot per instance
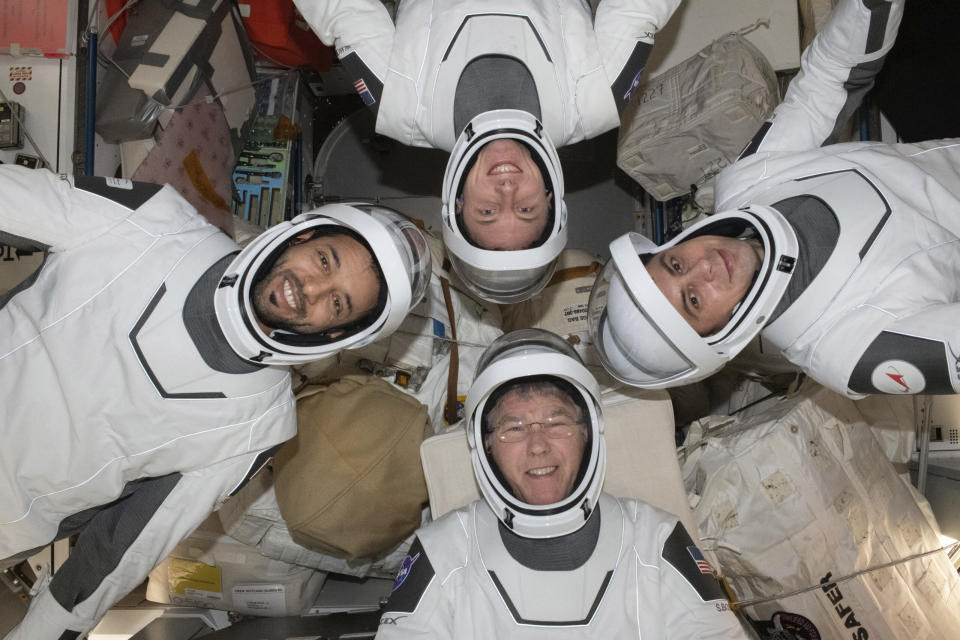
(350, 484)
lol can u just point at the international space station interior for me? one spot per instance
(330, 319)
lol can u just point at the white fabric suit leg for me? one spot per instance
(184, 506)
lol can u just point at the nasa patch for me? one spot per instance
(897, 376)
(415, 575)
(405, 568)
(786, 625)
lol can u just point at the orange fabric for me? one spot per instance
(201, 182)
(276, 29)
(116, 29)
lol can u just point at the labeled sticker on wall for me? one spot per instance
(21, 74)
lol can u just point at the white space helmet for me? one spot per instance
(503, 276)
(397, 246)
(643, 341)
(529, 355)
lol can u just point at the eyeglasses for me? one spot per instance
(517, 430)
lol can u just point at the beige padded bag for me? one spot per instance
(350, 483)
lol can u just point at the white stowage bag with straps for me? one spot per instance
(814, 530)
(693, 120)
(212, 570)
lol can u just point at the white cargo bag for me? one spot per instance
(813, 529)
(210, 569)
(682, 127)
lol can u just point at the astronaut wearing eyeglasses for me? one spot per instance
(547, 554)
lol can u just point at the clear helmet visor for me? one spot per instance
(267, 268)
(398, 274)
(630, 345)
(410, 244)
(505, 461)
(525, 379)
(494, 269)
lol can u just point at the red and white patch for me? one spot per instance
(897, 376)
(21, 74)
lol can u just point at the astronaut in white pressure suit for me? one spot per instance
(143, 385)
(545, 553)
(500, 84)
(842, 259)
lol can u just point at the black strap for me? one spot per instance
(450, 412)
(126, 192)
(629, 78)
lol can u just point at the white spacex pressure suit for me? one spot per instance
(875, 308)
(581, 71)
(127, 417)
(630, 572)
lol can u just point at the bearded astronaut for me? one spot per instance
(145, 366)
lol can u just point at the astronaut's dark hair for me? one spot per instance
(344, 330)
(544, 385)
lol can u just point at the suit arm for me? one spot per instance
(836, 71)
(625, 31)
(361, 32)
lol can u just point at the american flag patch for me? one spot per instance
(361, 88)
(700, 560)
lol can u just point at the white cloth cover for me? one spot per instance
(801, 495)
(110, 388)
(212, 570)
